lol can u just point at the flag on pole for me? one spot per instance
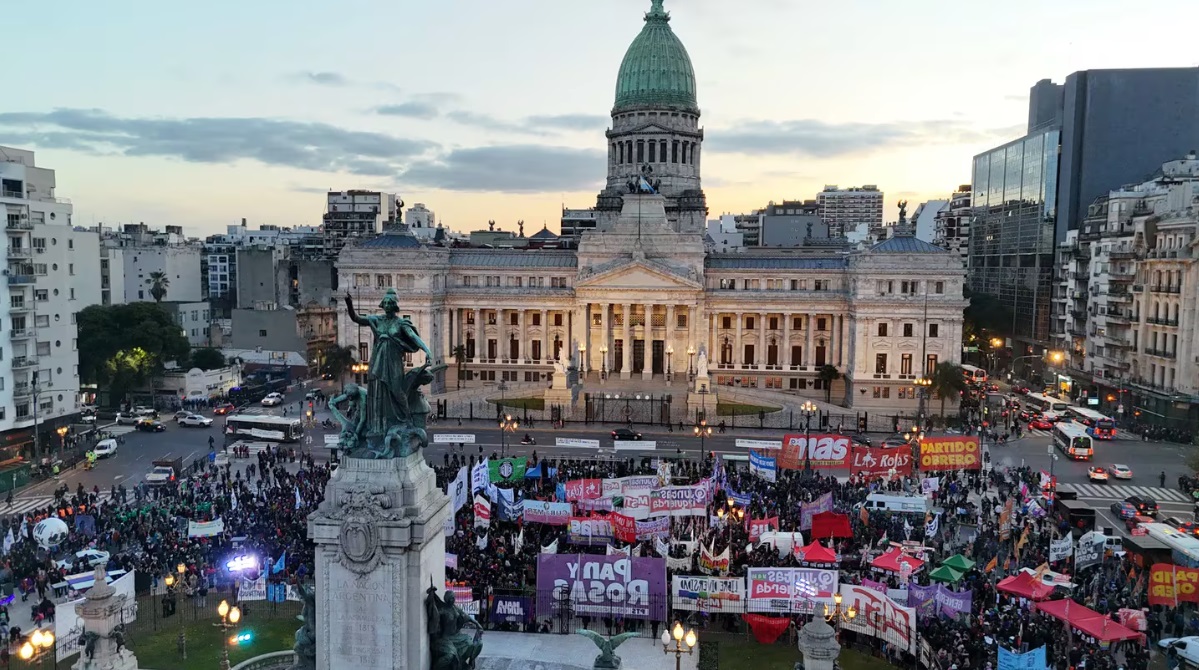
(551, 549)
(9, 541)
(280, 564)
(299, 501)
(991, 564)
(481, 543)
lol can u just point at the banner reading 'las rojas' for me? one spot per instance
(591, 585)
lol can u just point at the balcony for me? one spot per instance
(1119, 296)
(23, 334)
(1119, 343)
(1076, 332)
(1166, 289)
(1079, 314)
(1080, 275)
(22, 390)
(1170, 323)
(1121, 276)
(1118, 316)
(18, 253)
(21, 280)
(21, 362)
(20, 308)
(20, 225)
(1122, 255)
(1160, 353)
(8, 193)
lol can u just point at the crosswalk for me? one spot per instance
(1120, 492)
(24, 505)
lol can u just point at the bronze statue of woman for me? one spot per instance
(394, 336)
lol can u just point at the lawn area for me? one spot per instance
(159, 650)
(738, 652)
(537, 404)
(742, 409)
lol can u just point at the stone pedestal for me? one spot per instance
(100, 613)
(819, 646)
(705, 402)
(379, 546)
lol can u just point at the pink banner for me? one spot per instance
(584, 489)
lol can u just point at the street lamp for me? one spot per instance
(836, 615)
(229, 618)
(703, 431)
(508, 424)
(690, 358)
(36, 645)
(603, 362)
(669, 355)
(735, 516)
(923, 384)
(583, 358)
(809, 410)
(683, 643)
(62, 436)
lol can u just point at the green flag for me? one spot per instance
(507, 470)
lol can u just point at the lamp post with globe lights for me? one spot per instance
(177, 583)
(508, 424)
(229, 618)
(734, 514)
(837, 615)
(703, 431)
(809, 410)
(678, 642)
(38, 644)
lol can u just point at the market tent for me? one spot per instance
(815, 553)
(830, 524)
(958, 562)
(1088, 621)
(946, 574)
(1026, 586)
(891, 560)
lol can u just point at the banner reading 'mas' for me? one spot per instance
(591, 585)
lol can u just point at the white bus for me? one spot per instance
(1072, 440)
(974, 375)
(1099, 426)
(1043, 403)
(264, 427)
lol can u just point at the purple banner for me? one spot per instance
(617, 586)
(953, 603)
(938, 600)
(807, 510)
(513, 609)
(659, 528)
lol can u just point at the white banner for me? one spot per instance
(453, 438)
(576, 442)
(456, 490)
(68, 627)
(879, 616)
(252, 590)
(634, 445)
(332, 439)
(1061, 549)
(264, 434)
(480, 476)
(708, 594)
(205, 528)
(759, 444)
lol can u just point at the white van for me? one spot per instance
(895, 503)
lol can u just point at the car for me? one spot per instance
(92, 557)
(196, 421)
(1137, 520)
(1120, 471)
(1020, 388)
(1124, 510)
(1189, 527)
(1144, 504)
(625, 434)
(143, 411)
(126, 419)
(272, 400)
(1041, 423)
(894, 442)
(1186, 649)
(225, 408)
(1029, 414)
(150, 426)
(105, 448)
(1097, 474)
(87, 418)
(858, 438)
(180, 414)
(992, 388)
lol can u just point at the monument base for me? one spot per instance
(379, 546)
(702, 402)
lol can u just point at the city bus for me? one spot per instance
(1043, 403)
(974, 375)
(1099, 426)
(1072, 440)
(251, 392)
(264, 427)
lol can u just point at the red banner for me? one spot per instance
(584, 489)
(827, 452)
(950, 452)
(874, 461)
(759, 526)
(1170, 585)
(624, 528)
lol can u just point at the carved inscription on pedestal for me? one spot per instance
(360, 618)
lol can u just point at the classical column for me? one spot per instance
(605, 337)
(785, 349)
(738, 352)
(626, 346)
(840, 342)
(480, 335)
(545, 335)
(713, 344)
(670, 324)
(763, 322)
(809, 357)
(647, 354)
(521, 344)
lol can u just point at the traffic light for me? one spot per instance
(245, 637)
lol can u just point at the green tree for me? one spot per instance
(208, 359)
(985, 316)
(337, 360)
(828, 374)
(460, 359)
(947, 381)
(122, 347)
(159, 283)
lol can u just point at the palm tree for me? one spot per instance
(828, 374)
(460, 359)
(947, 380)
(337, 360)
(159, 283)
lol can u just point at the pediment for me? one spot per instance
(633, 275)
(651, 128)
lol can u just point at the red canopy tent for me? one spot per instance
(890, 561)
(1088, 621)
(830, 524)
(1025, 586)
(816, 553)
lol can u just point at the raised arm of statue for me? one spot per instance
(360, 320)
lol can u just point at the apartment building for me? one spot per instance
(843, 209)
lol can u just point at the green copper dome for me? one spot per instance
(656, 71)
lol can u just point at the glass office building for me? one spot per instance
(1012, 233)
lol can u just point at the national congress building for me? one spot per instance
(645, 297)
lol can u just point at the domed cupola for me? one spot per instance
(656, 70)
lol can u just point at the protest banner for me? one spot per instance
(1090, 549)
(1172, 584)
(679, 501)
(584, 489)
(827, 452)
(482, 509)
(610, 586)
(875, 461)
(763, 467)
(789, 590)
(1061, 548)
(624, 528)
(252, 590)
(541, 511)
(707, 594)
(653, 528)
(880, 616)
(636, 505)
(512, 609)
(759, 526)
(950, 452)
(590, 530)
(507, 470)
(205, 528)
(1030, 660)
(710, 563)
(822, 504)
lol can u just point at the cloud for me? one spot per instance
(819, 139)
(414, 110)
(306, 146)
(488, 122)
(519, 168)
(569, 121)
(324, 78)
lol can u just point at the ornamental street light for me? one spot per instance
(229, 618)
(583, 359)
(809, 409)
(603, 362)
(678, 642)
(735, 516)
(669, 356)
(836, 615)
(703, 431)
(508, 424)
(690, 359)
(37, 644)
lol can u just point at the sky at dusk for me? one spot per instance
(203, 114)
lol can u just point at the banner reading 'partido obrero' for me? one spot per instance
(950, 452)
